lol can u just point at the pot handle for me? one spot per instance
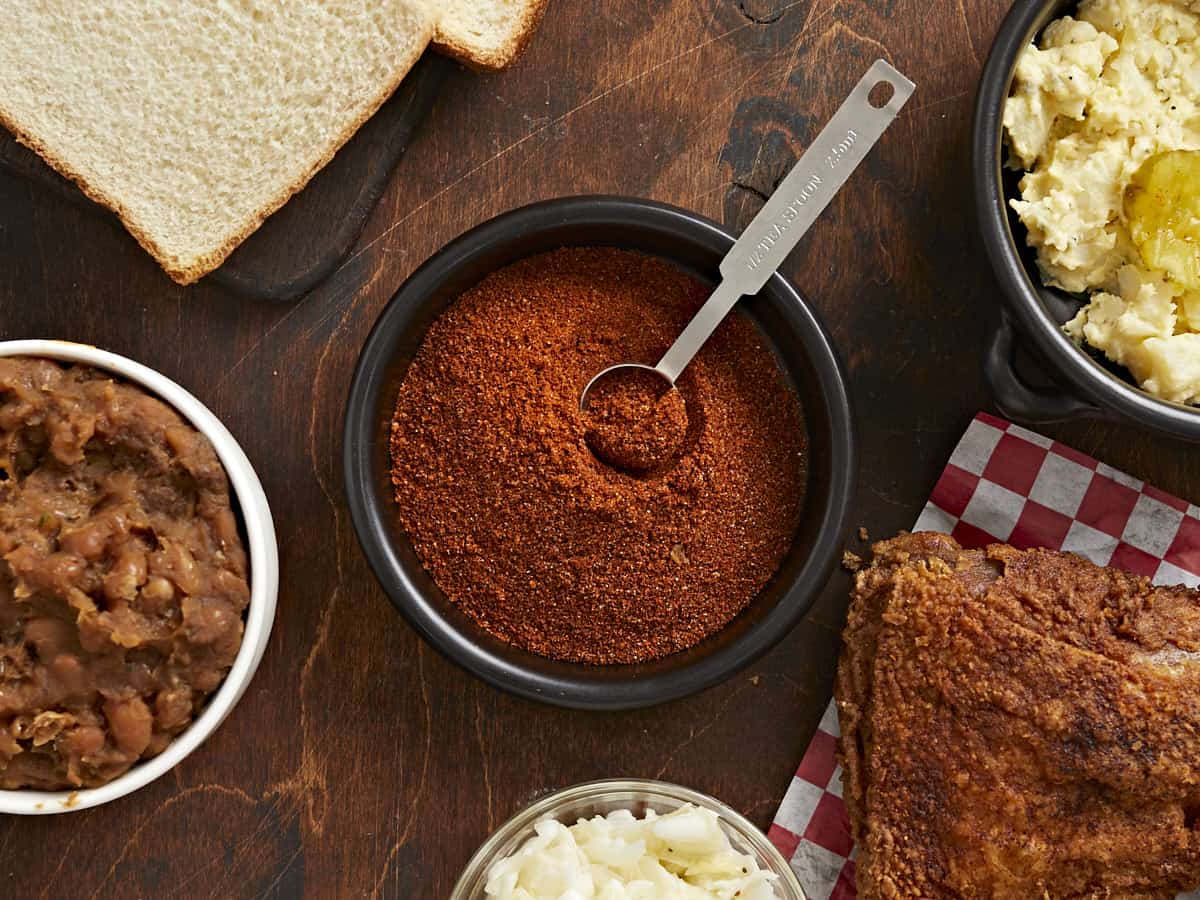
(1019, 401)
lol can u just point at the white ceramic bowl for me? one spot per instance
(264, 578)
(599, 798)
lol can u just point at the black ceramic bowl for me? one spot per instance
(788, 327)
(1086, 384)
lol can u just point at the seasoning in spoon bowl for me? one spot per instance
(635, 421)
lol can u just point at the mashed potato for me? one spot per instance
(684, 855)
(1106, 90)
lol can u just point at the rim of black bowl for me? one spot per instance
(566, 689)
(1082, 373)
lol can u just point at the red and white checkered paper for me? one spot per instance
(1003, 483)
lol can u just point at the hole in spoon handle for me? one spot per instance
(815, 179)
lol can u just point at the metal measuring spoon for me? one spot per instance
(813, 181)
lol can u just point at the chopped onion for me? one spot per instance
(684, 855)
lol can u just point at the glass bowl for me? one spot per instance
(602, 797)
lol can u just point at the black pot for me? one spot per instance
(1086, 386)
(788, 326)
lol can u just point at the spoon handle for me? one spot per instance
(800, 198)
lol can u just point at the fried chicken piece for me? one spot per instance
(1019, 725)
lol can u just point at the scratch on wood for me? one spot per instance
(248, 843)
(64, 855)
(859, 36)
(690, 202)
(483, 753)
(414, 806)
(966, 23)
(283, 870)
(528, 137)
(236, 793)
(257, 342)
(888, 500)
(694, 733)
(940, 100)
(726, 98)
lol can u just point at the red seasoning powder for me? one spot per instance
(634, 421)
(521, 524)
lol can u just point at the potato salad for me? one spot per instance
(1104, 118)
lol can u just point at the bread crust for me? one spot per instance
(482, 61)
(189, 271)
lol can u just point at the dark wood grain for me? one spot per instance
(360, 763)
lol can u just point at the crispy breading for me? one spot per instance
(1019, 724)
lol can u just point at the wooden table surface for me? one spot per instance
(360, 762)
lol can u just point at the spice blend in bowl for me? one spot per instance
(784, 321)
(532, 535)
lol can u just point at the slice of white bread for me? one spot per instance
(196, 119)
(487, 34)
